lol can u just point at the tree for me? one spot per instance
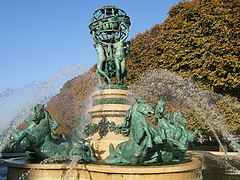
(198, 41)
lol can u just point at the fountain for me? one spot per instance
(120, 142)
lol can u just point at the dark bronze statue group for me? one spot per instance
(110, 29)
(166, 140)
(40, 140)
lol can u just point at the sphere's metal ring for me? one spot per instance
(109, 22)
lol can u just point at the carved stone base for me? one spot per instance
(17, 167)
(113, 105)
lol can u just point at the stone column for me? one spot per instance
(113, 105)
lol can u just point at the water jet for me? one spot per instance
(120, 143)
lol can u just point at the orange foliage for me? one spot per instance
(199, 40)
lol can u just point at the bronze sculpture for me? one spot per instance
(110, 28)
(165, 141)
(39, 139)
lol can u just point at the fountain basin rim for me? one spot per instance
(195, 163)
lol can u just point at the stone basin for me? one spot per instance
(17, 167)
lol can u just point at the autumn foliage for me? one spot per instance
(200, 40)
(71, 104)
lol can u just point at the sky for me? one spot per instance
(38, 38)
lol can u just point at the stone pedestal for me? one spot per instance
(113, 105)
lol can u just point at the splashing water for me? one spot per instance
(72, 166)
(161, 84)
(219, 165)
(11, 91)
(88, 106)
(177, 90)
(27, 175)
(40, 93)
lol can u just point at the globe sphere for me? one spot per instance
(109, 24)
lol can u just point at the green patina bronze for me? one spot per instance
(109, 29)
(112, 86)
(166, 141)
(110, 101)
(109, 115)
(41, 141)
(102, 128)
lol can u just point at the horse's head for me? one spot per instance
(37, 113)
(144, 108)
(179, 118)
(160, 107)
